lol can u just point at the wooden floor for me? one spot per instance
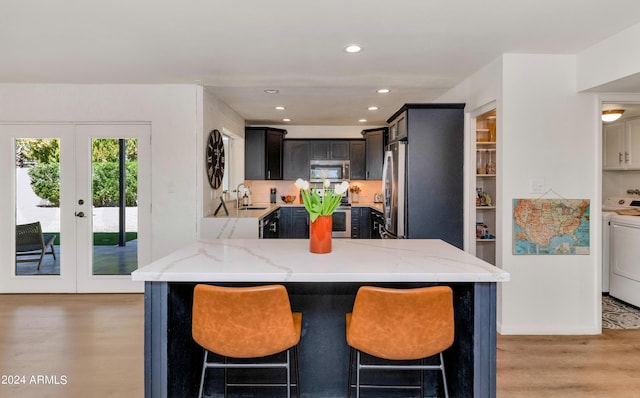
(606, 365)
(92, 346)
(95, 342)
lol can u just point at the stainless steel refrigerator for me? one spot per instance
(423, 184)
(393, 190)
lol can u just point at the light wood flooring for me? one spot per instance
(96, 342)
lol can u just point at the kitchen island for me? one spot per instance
(322, 287)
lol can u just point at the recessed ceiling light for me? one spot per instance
(383, 91)
(362, 120)
(373, 108)
(286, 120)
(272, 91)
(353, 48)
(280, 108)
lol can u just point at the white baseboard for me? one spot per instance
(547, 329)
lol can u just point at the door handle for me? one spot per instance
(80, 214)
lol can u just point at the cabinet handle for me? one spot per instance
(626, 157)
(268, 174)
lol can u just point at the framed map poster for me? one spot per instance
(550, 226)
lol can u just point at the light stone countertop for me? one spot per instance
(351, 260)
(269, 207)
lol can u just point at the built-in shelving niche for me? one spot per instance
(485, 139)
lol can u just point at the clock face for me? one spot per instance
(215, 159)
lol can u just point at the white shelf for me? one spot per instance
(485, 159)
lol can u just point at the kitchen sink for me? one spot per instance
(253, 208)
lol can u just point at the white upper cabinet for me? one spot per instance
(622, 146)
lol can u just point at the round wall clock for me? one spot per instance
(215, 159)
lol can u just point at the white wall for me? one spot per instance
(546, 131)
(550, 132)
(218, 115)
(616, 183)
(481, 88)
(614, 58)
(171, 111)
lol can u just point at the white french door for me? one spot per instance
(105, 265)
(67, 178)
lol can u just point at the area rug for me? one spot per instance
(619, 315)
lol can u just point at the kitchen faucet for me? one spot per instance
(238, 194)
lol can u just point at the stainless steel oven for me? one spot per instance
(341, 221)
(341, 217)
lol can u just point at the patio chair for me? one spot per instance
(31, 242)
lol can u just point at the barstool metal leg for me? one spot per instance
(357, 373)
(444, 377)
(288, 367)
(204, 368)
(226, 378)
(422, 379)
(350, 381)
(297, 370)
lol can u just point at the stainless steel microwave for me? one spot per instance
(333, 170)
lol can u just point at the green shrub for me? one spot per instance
(45, 181)
(105, 184)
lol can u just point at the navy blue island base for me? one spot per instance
(173, 360)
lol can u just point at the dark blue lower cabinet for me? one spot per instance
(294, 222)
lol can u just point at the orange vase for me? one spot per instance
(320, 235)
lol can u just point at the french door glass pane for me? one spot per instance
(38, 237)
(114, 205)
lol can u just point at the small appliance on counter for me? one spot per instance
(273, 195)
(377, 198)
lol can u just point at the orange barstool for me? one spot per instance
(399, 325)
(246, 322)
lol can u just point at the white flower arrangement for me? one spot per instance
(321, 205)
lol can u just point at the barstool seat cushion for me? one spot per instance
(236, 325)
(386, 323)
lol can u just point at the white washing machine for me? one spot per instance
(624, 256)
(609, 206)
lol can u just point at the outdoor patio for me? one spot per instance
(107, 260)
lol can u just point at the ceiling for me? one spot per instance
(239, 48)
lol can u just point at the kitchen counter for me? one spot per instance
(239, 224)
(269, 207)
(322, 287)
(248, 212)
(289, 260)
(244, 224)
(372, 205)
